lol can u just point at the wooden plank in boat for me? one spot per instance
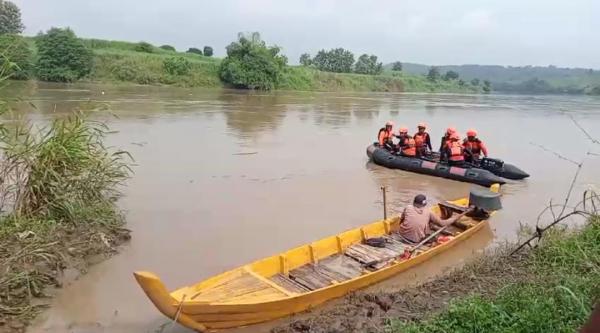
(309, 277)
(288, 284)
(342, 265)
(394, 245)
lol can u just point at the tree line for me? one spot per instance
(340, 60)
(435, 75)
(61, 56)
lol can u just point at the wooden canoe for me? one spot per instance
(298, 279)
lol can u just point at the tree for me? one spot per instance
(397, 66)
(251, 64)
(208, 51)
(168, 48)
(10, 18)
(367, 64)
(194, 50)
(16, 51)
(336, 60)
(450, 75)
(475, 82)
(144, 47)
(487, 86)
(62, 56)
(305, 59)
(433, 74)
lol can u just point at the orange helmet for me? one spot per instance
(450, 130)
(389, 123)
(471, 132)
(422, 125)
(403, 130)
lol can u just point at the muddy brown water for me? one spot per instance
(226, 177)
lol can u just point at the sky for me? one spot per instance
(434, 32)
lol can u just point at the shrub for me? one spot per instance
(10, 18)
(208, 51)
(194, 50)
(397, 66)
(168, 48)
(144, 47)
(177, 66)
(251, 64)
(433, 74)
(336, 60)
(61, 56)
(16, 51)
(305, 59)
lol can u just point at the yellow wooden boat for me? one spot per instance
(300, 278)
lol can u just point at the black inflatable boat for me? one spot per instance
(478, 176)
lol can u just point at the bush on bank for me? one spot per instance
(62, 57)
(17, 50)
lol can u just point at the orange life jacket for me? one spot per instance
(474, 146)
(410, 147)
(384, 136)
(456, 151)
(420, 139)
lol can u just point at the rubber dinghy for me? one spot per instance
(477, 176)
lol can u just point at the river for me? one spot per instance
(224, 177)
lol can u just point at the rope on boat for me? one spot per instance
(178, 312)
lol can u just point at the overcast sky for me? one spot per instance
(506, 32)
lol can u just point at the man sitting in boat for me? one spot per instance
(415, 219)
(386, 135)
(407, 145)
(473, 147)
(422, 140)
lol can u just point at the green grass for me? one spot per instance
(566, 268)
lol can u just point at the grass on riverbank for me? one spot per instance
(118, 61)
(557, 296)
(58, 188)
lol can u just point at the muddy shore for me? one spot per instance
(372, 311)
(35, 263)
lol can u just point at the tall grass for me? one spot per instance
(58, 187)
(564, 287)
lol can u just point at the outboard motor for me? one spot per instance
(484, 202)
(491, 164)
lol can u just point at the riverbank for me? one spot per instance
(112, 65)
(58, 190)
(550, 289)
(117, 61)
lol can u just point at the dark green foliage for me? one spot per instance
(450, 75)
(62, 57)
(177, 66)
(251, 64)
(10, 18)
(305, 59)
(144, 47)
(595, 91)
(433, 74)
(208, 51)
(168, 48)
(560, 299)
(461, 82)
(15, 49)
(487, 86)
(367, 64)
(397, 66)
(336, 60)
(475, 82)
(194, 50)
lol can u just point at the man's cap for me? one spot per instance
(420, 200)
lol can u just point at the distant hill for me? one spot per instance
(527, 79)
